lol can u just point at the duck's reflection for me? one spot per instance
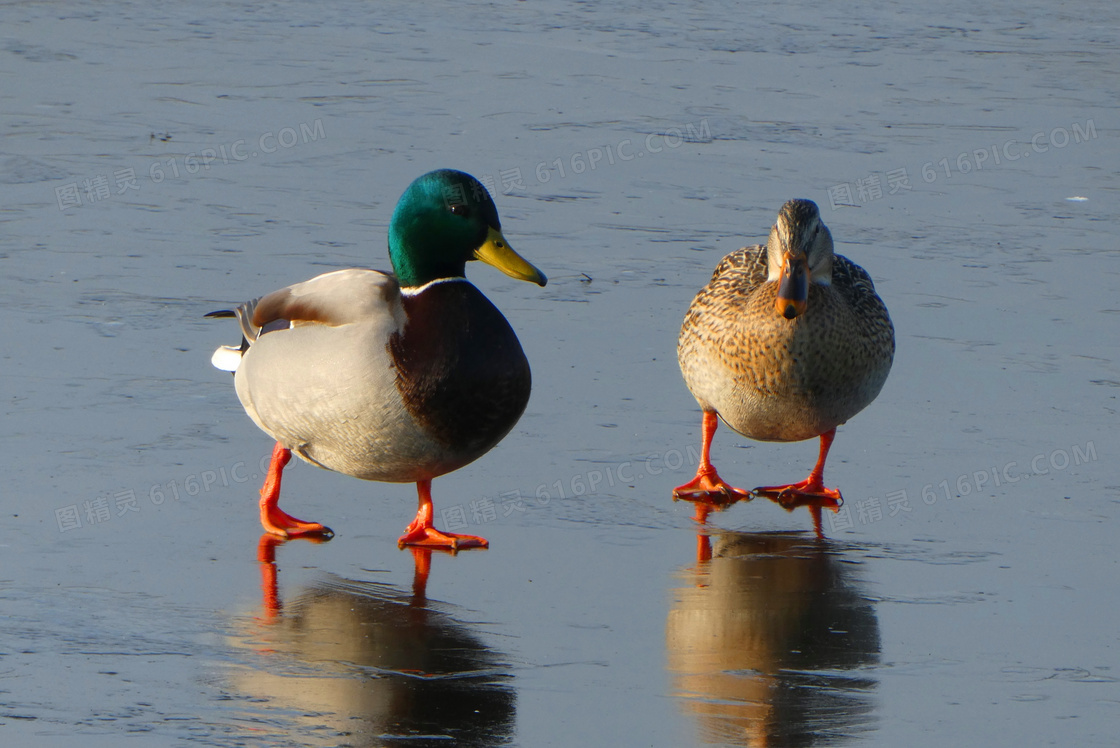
(768, 643)
(368, 664)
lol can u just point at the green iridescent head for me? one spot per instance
(443, 220)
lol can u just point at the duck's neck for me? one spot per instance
(415, 267)
(420, 254)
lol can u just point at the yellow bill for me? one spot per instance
(497, 252)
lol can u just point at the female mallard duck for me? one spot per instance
(786, 342)
(385, 378)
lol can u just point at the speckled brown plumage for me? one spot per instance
(778, 379)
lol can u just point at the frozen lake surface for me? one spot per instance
(159, 161)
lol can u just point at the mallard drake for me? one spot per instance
(398, 378)
(785, 343)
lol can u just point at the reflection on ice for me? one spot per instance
(372, 664)
(769, 641)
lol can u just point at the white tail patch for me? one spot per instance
(227, 358)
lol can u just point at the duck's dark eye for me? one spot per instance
(460, 210)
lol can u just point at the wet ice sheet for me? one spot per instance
(248, 148)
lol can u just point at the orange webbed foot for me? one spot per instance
(708, 487)
(422, 532)
(426, 536)
(805, 493)
(283, 525)
(274, 519)
(811, 491)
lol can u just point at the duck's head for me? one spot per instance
(443, 220)
(799, 252)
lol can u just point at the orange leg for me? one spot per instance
(421, 531)
(810, 491)
(707, 486)
(275, 520)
